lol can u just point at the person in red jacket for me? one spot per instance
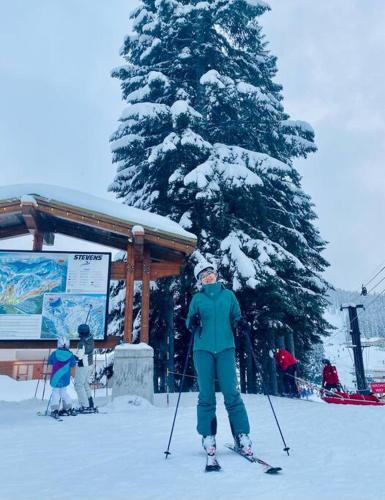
(330, 378)
(287, 364)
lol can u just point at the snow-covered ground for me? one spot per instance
(336, 451)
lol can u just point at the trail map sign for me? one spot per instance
(44, 295)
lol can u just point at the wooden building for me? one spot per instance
(24, 364)
(156, 246)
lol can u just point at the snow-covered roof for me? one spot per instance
(101, 206)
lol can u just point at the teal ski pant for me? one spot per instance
(221, 366)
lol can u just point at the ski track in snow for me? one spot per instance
(336, 452)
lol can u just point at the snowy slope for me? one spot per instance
(119, 455)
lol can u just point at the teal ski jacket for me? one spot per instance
(219, 311)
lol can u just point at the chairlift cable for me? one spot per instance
(382, 267)
(375, 286)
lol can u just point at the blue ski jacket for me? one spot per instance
(62, 360)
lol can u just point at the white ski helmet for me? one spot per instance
(202, 266)
(63, 342)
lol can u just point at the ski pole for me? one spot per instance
(167, 384)
(105, 364)
(38, 380)
(89, 310)
(259, 370)
(167, 452)
(45, 375)
(95, 376)
(49, 402)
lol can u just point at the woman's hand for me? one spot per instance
(195, 322)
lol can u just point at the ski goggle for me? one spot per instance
(206, 273)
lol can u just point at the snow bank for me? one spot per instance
(119, 455)
(127, 403)
(16, 390)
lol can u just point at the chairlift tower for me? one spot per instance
(362, 385)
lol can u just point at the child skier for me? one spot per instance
(213, 312)
(330, 378)
(84, 355)
(62, 360)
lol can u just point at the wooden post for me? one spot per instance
(144, 327)
(37, 241)
(170, 343)
(129, 303)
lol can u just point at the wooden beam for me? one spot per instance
(38, 241)
(30, 218)
(163, 254)
(100, 221)
(145, 317)
(13, 232)
(96, 221)
(81, 233)
(158, 270)
(129, 302)
(171, 243)
(138, 234)
(10, 207)
(118, 270)
(163, 270)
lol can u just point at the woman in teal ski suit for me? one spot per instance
(214, 313)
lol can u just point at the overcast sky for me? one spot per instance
(58, 107)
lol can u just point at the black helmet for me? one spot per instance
(326, 361)
(83, 329)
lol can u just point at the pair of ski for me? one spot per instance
(59, 418)
(55, 417)
(87, 411)
(268, 469)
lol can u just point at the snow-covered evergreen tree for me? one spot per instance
(205, 140)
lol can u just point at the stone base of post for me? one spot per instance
(134, 371)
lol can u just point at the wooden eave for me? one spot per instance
(72, 221)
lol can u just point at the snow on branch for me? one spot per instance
(169, 143)
(258, 3)
(125, 141)
(153, 81)
(213, 77)
(144, 110)
(234, 165)
(190, 138)
(182, 107)
(241, 266)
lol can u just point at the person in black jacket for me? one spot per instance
(84, 366)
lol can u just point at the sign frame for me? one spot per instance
(46, 341)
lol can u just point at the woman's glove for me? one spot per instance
(195, 323)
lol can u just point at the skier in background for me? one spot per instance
(287, 364)
(213, 313)
(84, 365)
(62, 360)
(330, 379)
